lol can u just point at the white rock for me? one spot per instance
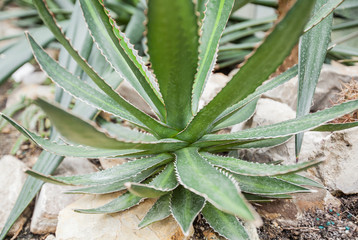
(22, 72)
(123, 225)
(52, 200)
(12, 178)
(329, 84)
(31, 91)
(215, 83)
(339, 170)
(35, 78)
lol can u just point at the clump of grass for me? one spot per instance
(349, 91)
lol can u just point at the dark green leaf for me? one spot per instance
(173, 43)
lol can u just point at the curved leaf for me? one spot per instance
(185, 206)
(225, 224)
(266, 185)
(77, 87)
(123, 202)
(71, 151)
(255, 169)
(312, 53)
(216, 16)
(322, 13)
(159, 211)
(82, 132)
(217, 188)
(281, 129)
(111, 175)
(120, 53)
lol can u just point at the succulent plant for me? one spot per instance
(172, 157)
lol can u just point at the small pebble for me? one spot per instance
(328, 223)
(332, 223)
(317, 219)
(338, 214)
(320, 227)
(330, 210)
(347, 228)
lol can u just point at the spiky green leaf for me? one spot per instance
(120, 53)
(185, 206)
(312, 53)
(119, 172)
(80, 131)
(159, 211)
(173, 43)
(216, 16)
(325, 10)
(255, 169)
(77, 87)
(121, 203)
(114, 186)
(217, 187)
(330, 127)
(285, 128)
(266, 185)
(299, 180)
(69, 150)
(225, 224)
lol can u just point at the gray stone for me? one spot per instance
(339, 151)
(12, 178)
(123, 225)
(52, 198)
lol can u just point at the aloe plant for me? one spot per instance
(174, 160)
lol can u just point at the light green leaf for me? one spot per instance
(123, 202)
(120, 53)
(123, 171)
(125, 133)
(216, 16)
(225, 224)
(266, 185)
(77, 87)
(115, 186)
(312, 53)
(239, 116)
(322, 13)
(68, 150)
(159, 211)
(266, 58)
(185, 206)
(255, 169)
(330, 127)
(82, 132)
(262, 143)
(281, 129)
(299, 180)
(217, 188)
(271, 84)
(163, 183)
(173, 43)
